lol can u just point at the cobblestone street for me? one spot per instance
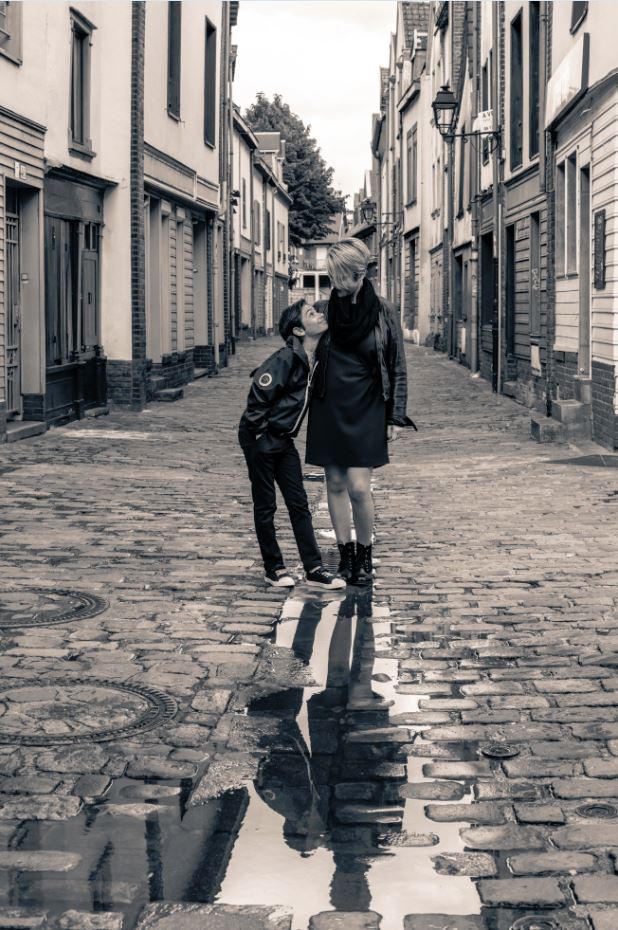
(439, 755)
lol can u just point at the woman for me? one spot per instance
(358, 402)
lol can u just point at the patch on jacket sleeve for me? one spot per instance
(265, 380)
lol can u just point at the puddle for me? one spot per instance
(324, 812)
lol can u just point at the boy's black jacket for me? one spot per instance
(279, 392)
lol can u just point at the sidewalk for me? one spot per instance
(137, 628)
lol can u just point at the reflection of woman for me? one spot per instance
(358, 402)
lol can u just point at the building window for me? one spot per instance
(535, 276)
(534, 77)
(210, 85)
(560, 203)
(578, 14)
(81, 34)
(485, 82)
(517, 93)
(571, 214)
(257, 220)
(566, 216)
(243, 203)
(267, 230)
(412, 163)
(10, 31)
(462, 172)
(174, 20)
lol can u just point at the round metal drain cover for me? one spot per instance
(22, 607)
(535, 923)
(499, 751)
(600, 811)
(51, 713)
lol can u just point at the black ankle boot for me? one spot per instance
(363, 566)
(346, 560)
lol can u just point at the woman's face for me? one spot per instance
(348, 283)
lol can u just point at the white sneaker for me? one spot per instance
(279, 578)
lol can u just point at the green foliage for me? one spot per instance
(308, 178)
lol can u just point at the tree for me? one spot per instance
(305, 172)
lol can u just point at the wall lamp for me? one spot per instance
(445, 109)
(369, 212)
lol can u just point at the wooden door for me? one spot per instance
(13, 306)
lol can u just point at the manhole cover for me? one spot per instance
(76, 710)
(30, 607)
(499, 751)
(535, 923)
(600, 811)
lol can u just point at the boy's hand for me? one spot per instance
(392, 432)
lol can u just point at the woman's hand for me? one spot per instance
(392, 432)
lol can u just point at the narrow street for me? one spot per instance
(438, 754)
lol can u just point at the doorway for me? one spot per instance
(584, 360)
(13, 304)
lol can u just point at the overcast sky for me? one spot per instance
(323, 57)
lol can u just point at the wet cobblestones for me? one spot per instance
(497, 559)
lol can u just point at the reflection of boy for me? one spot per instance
(276, 406)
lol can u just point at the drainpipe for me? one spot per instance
(496, 157)
(252, 232)
(400, 207)
(475, 185)
(138, 258)
(273, 251)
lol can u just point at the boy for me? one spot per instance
(276, 405)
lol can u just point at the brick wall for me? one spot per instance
(565, 369)
(604, 420)
(172, 371)
(204, 357)
(119, 381)
(33, 406)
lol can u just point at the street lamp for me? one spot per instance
(445, 112)
(445, 108)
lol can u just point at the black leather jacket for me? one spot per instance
(279, 394)
(391, 360)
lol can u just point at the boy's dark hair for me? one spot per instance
(322, 307)
(290, 318)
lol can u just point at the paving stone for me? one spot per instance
(443, 922)
(91, 786)
(476, 812)
(39, 860)
(39, 807)
(433, 791)
(540, 863)
(213, 917)
(501, 788)
(523, 892)
(539, 813)
(596, 889)
(76, 760)
(457, 770)
(406, 838)
(584, 836)
(473, 865)
(604, 920)
(18, 918)
(538, 768)
(510, 836)
(585, 788)
(81, 920)
(601, 768)
(28, 784)
(345, 920)
(160, 768)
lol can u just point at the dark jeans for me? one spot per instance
(273, 460)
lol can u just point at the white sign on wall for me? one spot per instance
(569, 80)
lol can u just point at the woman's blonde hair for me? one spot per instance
(348, 256)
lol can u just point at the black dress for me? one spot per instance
(347, 426)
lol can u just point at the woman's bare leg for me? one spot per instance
(358, 481)
(339, 502)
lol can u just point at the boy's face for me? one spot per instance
(313, 321)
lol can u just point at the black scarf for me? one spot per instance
(350, 323)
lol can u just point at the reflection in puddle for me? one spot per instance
(324, 812)
(322, 828)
